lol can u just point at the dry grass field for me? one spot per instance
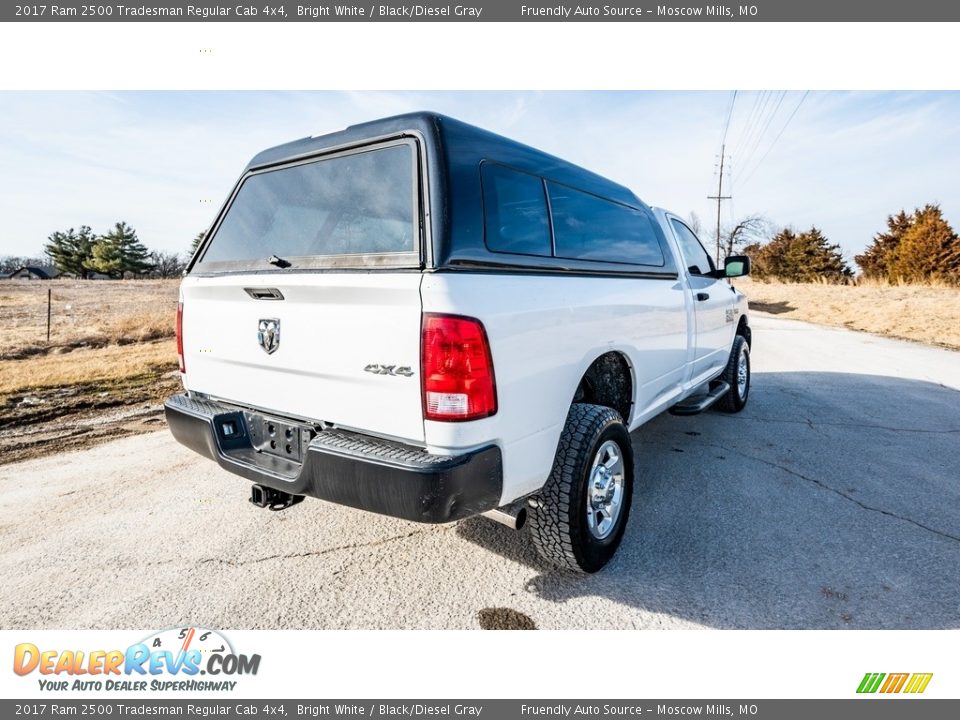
(90, 313)
(923, 313)
(110, 360)
(103, 365)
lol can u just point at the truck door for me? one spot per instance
(713, 298)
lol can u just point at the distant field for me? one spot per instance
(111, 359)
(91, 313)
(102, 365)
(911, 312)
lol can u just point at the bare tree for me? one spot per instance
(750, 229)
(167, 264)
(693, 220)
(10, 263)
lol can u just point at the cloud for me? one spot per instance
(164, 161)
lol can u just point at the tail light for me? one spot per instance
(183, 367)
(458, 381)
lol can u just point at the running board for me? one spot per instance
(699, 403)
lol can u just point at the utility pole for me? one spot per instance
(719, 197)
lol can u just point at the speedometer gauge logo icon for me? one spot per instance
(184, 639)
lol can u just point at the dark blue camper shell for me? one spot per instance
(451, 154)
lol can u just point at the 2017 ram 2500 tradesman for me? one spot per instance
(420, 318)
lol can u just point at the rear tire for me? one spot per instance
(578, 519)
(737, 375)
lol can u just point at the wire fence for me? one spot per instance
(50, 313)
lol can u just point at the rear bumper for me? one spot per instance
(347, 468)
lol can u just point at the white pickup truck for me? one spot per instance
(417, 317)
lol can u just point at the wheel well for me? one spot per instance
(744, 329)
(608, 382)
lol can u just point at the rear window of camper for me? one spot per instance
(347, 207)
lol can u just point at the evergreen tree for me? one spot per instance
(812, 257)
(71, 251)
(916, 247)
(928, 249)
(875, 259)
(196, 242)
(769, 261)
(120, 251)
(59, 249)
(85, 240)
(803, 257)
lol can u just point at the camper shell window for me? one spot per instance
(588, 227)
(351, 209)
(525, 214)
(515, 212)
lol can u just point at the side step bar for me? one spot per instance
(699, 403)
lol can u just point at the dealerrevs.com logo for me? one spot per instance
(173, 659)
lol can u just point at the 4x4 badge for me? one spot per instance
(376, 369)
(268, 334)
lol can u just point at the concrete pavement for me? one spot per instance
(832, 501)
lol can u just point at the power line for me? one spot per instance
(747, 123)
(726, 125)
(779, 135)
(763, 124)
(763, 131)
(750, 126)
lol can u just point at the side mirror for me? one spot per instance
(736, 266)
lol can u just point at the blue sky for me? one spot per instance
(164, 161)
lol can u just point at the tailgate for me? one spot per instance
(339, 347)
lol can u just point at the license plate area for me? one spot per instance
(276, 437)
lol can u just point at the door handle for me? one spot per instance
(703, 296)
(264, 293)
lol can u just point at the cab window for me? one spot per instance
(695, 257)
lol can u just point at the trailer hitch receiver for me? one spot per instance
(267, 497)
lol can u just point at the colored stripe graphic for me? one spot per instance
(918, 682)
(870, 682)
(894, 683)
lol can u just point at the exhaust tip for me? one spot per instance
(511, 516)
(521, 519)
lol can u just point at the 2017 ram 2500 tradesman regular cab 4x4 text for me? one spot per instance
(420, 318)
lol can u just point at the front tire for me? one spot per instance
(578, 519)
(737, 375)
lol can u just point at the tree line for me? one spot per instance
(117, 253)
(916, 247)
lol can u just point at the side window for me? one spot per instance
(587, 227)
(696, 258)
(514, 212)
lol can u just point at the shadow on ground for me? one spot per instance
(774, 308)
(832, 501)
